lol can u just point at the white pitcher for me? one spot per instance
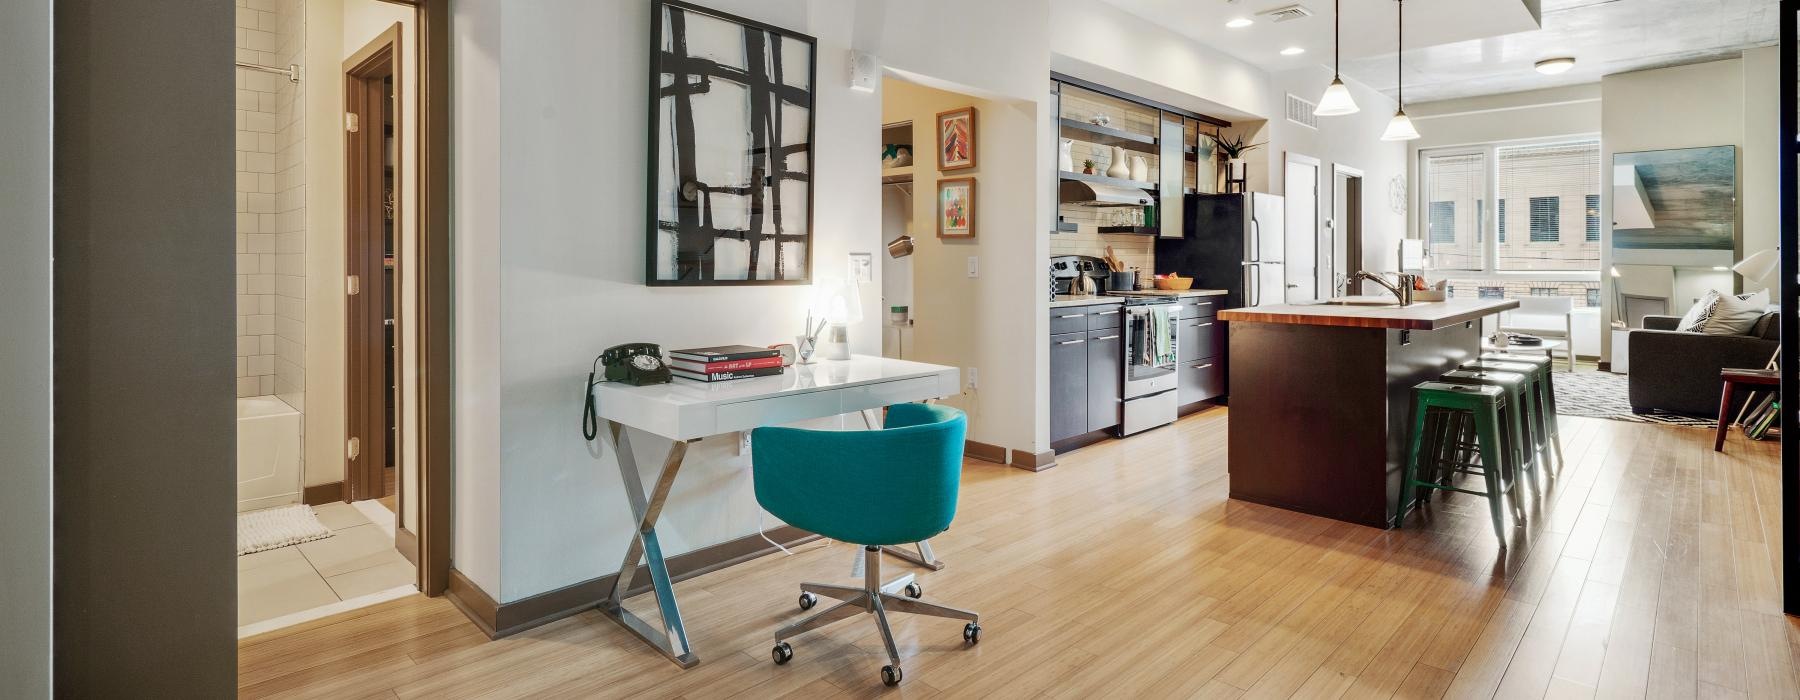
(1118, 168)
(1065, 156)
(1140, 168)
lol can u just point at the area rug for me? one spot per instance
(1603, 395)
(274, 528)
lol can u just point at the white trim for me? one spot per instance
(1509, 108)
(291, 619)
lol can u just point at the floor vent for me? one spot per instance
(1300, 111)
(1283, 14)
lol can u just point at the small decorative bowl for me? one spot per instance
(1175, 284)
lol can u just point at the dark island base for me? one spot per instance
(1320, 414)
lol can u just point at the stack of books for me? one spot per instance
(725, 362)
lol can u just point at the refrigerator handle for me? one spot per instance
(1255, 238)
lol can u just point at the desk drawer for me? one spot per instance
(782, 410)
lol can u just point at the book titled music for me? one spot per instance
(724, 365)
(726, 376)
(723, 353)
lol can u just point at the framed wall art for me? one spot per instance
(731, 141)
(956, 139)
(956, 207)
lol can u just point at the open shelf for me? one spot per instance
(901, 174)
(1104, 180)
(1108, 136)
(1143, 230)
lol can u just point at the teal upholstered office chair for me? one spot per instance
(871, 487)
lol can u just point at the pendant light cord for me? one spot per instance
(1337, 45)
(1400, 57)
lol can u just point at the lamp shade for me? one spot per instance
(838, 301)
(1759, 267)
(1336, 101)
(1400, 128)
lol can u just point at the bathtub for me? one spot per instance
(268, 453)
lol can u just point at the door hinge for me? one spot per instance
(350, 122)
(353, 285)
(353, 448)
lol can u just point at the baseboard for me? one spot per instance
(507, 619)
(323, 493)
(407, 543)
(1034, 462)
(984, 451)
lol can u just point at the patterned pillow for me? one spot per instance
(1694, 321)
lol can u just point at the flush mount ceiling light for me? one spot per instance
(1239, 23)
(1337, 100)
(1292, 51)
(1401, 127)
(1555, 66)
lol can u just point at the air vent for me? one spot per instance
(1300, 111)
(1283, 14)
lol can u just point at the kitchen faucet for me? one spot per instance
(1403, 291)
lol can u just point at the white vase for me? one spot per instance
(1065, 156)
(1140, 168)
(1118, 168)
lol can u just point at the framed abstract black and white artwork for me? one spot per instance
(731, 134)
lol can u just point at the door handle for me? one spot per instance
(1107, 337)
(1072, 316)
(1105, 313)
(1072, 342)
(1209, 364)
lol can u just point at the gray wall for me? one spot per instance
(25, 347)
(145, 592)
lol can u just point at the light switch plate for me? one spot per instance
(862, 267)
(974, 267)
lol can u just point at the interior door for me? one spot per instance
(1302, 230)
(1343, 232)
(1269, 241)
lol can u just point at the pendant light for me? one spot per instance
(1401, 128)
(1337, 100)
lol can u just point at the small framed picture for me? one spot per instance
(956, 207)
(956, 139)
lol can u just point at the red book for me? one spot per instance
(724, 365)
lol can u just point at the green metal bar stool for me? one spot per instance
(1546, 393)
(1518, 423)
(1483, 404)
(1543, 395)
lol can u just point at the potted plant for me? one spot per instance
(1233, 149)
(1087, 167)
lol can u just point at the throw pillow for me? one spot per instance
(1735, 315)
(1694, 321)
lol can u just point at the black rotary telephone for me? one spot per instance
(636, 364)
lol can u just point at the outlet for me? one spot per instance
(974, 266)
(743, 443)
(972, 379)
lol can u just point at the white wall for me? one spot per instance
(1682, 107)
(25, 347)
(1760, 188)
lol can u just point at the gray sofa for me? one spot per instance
(1679, 372)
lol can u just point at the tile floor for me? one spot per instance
(357, 559)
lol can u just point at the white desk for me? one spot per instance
(686, 410)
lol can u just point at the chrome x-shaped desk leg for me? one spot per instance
(672, 639)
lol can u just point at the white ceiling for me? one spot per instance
(1462, 48)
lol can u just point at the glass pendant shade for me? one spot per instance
(1400, 129)
(1336, 101)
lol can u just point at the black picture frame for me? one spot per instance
(688, 227)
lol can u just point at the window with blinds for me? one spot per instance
(1544, 224)
(1502, 223)
(1455, 187)
(1443, 222)
(1593, 218)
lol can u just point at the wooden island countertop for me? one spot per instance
(1420, 316)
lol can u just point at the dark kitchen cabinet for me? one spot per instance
(1068, 385)
(1201, 350)
(1201, 380)
(1105, 377)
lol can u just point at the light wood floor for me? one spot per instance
(1648, 568)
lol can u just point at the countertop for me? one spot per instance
(1063, 300)
(1421, 316)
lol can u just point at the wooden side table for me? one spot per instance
(1732, 378)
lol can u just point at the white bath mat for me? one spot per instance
(273, 528)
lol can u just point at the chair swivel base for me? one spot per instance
(875, 598)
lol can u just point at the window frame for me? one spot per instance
(1488, 233)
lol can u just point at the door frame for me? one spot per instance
(1353, 211)
(365, 329)
(1290, 159)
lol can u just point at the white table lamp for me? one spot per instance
(1759, 267)
(839, 303)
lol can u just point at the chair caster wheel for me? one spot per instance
(972, 633)
(914, 590)
(808, 600)
(890, 675)
(782, 653)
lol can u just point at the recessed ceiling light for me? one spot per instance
(1554, 66)
(1239, 23)
(1292, 51)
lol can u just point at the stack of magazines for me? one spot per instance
(724, 363)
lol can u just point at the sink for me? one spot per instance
(1387, 301)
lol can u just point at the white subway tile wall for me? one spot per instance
(271, 202)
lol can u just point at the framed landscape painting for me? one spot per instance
(731, 155)
(956, 139)
(1678, 199)
(956, 207)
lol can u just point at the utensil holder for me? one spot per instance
(1121, 281)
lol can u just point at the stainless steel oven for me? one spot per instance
(1151, 356)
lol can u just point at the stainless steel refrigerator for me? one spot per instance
(1232, 242)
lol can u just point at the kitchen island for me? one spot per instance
(1321, 397)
